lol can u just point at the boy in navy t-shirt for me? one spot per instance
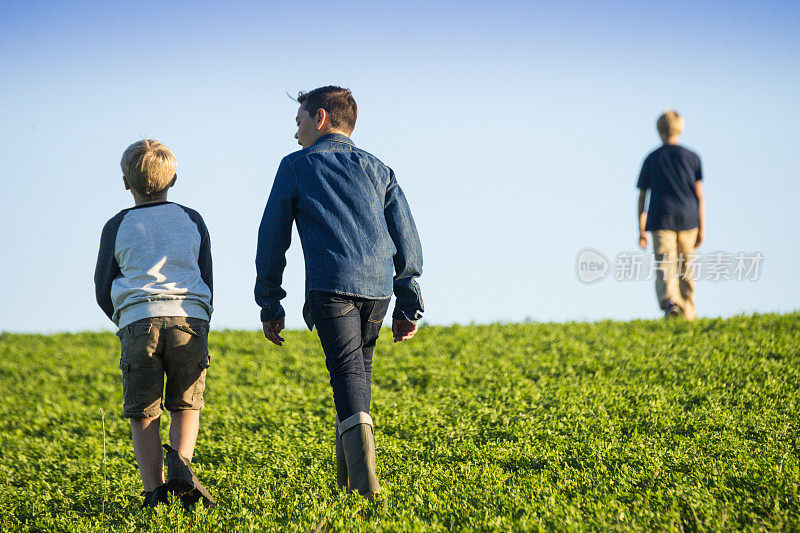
(675, 216)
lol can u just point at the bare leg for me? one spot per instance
(183, 431)
(147, 447)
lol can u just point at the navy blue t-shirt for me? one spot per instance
(670, 173)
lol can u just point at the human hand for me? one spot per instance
(403, 329)
(643, 240)
(272, 331)
(700, 236)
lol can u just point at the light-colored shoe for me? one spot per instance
(671, 309)
(358, 444)
(673, 312)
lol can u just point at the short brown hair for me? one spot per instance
(338, 102)
(149, 167)
(670, 124)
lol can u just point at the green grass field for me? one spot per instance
(640, 425)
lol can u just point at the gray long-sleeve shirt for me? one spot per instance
(154, 260)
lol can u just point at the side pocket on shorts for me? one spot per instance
(125, 366)
(200, 384)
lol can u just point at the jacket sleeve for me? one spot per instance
(274, 238)
(107, 269)
(408, 258)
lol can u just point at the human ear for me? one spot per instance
(174, 179)
(321, 119)
(127, 185)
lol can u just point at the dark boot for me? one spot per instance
(182, 481)
(341, 462)
(155, 496)
(180, 477)
(358, 444)
(189, 499)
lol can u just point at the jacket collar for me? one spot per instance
(335, 137)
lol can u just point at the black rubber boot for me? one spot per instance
(182, 481)
(358, 444)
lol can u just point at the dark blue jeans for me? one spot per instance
(348, 329)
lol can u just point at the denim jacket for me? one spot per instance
(355, 227)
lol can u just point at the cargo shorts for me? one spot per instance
(154, 347)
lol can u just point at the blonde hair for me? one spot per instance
(149, 167)
(670, 124)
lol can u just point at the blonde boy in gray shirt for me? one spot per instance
(153, 279)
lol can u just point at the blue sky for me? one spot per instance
(516, 129)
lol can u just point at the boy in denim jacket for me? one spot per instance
(153, 280)
(360, 245)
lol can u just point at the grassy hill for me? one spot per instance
(582, 426)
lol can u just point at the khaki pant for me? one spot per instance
(675, 273)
